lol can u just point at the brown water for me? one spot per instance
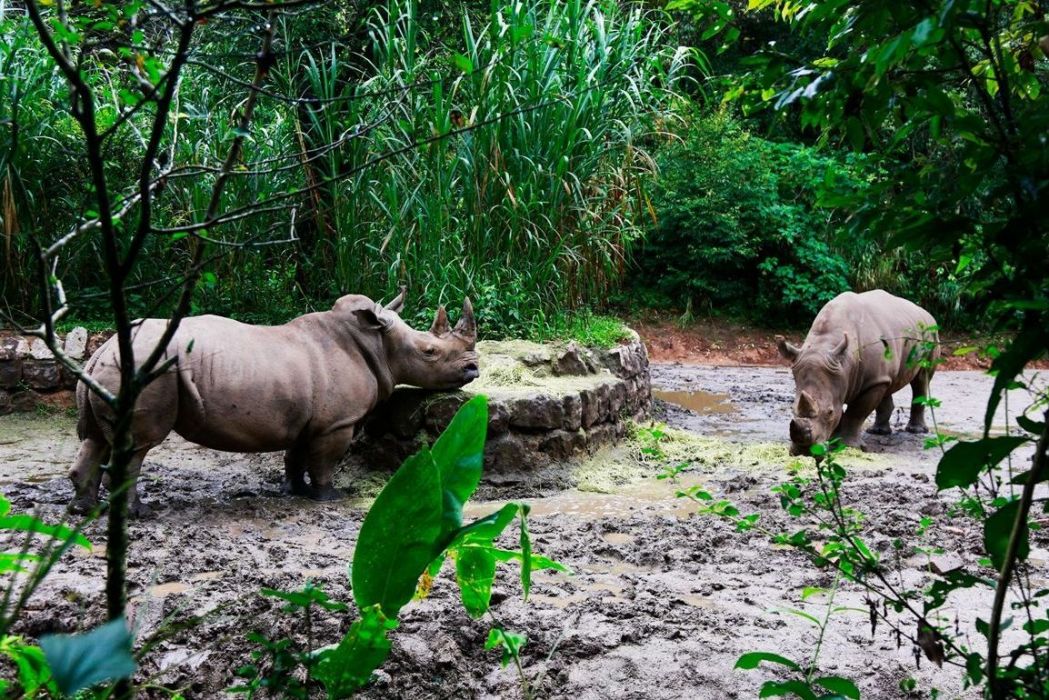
(698, 401)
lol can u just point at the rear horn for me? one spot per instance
(467, 327)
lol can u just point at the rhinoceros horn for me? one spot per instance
(806, 406)
(398, 302)
(467, 327)
(440, 323)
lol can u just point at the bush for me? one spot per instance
(738, 230)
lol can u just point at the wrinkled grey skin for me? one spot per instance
(301, 387)
(861, 349)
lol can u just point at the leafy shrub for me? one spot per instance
(738, 230)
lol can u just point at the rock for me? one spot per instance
(616, 399)
(498, 418)
(95, 341)
(10, 373)
(441, 409)
(590, 408)
(503, 454)
(76, 343)
(9, 348)
(563, 444)
(536, 358)
(6, 405)
(573, 361)
(537, 412)
(573, 412)
(38, 350)
(41, 375)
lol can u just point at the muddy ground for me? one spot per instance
(661, 603)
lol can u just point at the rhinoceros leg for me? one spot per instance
(856, 414)
(919, 388)
(135, 507)
(325, 451)
(295, 461)
(882, 417)
(86, 474)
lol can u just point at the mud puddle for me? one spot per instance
(696, 400)
(660, 603)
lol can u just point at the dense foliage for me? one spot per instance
(738, 229)
(500, 156)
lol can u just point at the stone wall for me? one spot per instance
(30, 375)
(547, 403)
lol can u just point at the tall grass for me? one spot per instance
(533, 211)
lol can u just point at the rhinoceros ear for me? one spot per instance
(371, 319)
(839, 350)
(440, 323)
(786, 349)
(398, 302)
(467, 327)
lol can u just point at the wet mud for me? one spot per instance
(660, 604)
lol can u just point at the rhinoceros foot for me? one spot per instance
(917, 428)
(138, 509)
(326, 493)
(879, 430)
(82, 505)
(297, 487)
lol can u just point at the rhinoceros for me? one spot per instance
(861, 349)
(301, 387)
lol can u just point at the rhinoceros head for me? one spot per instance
(441, 358)
(819, 391)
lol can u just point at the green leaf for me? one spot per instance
(753, 659)
(511, 642)
(29, 523)
(774, 689)
(463, 63)
(998, 529)
(486, 529)
(1030, 425)
(1026, 346)
(526, 553)
(398, 536)
(348, 667)
(79, 661)
(459, 456)
(840, 686)
(475, 573)
(964, 462)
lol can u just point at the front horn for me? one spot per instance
(467, 327)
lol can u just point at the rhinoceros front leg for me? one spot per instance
(318, 457)
(883, 417)
(856, 414)
(295, 471)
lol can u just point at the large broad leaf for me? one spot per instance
(753, 660)
(475, 572)
(348, 667)
(997, 531)
(485, 530)
(459, 455)
(79, 661)
(776, 689)
(962, 464)
(396, 542)
(841, 687)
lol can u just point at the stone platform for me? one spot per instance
(547, 403)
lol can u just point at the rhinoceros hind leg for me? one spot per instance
(882, 417)
(919, 389)
(86, 475)
(325, 451)
(135, 507)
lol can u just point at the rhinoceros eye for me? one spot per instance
(430, 351)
